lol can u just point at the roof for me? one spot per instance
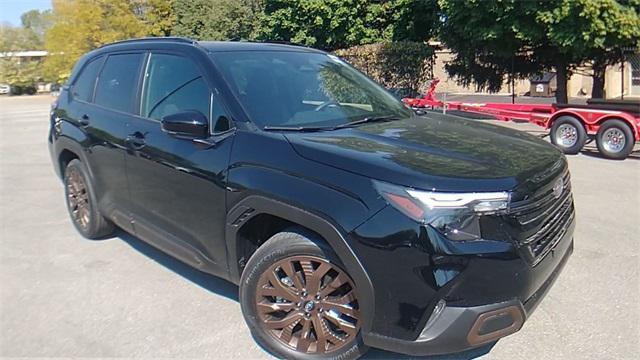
(220, 46)
(223, 46)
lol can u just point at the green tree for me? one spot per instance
(19, 74)
(415, 20)
(490, 39)
(157, 15)
(216, 19)
(28, 37)
(83, 25)
(594, 31)
(37, 23)
(14, 38)
(493, 37)
(339, 24)
(398, 64)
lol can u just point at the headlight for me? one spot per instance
(454, 215)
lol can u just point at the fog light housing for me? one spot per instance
(435, 314)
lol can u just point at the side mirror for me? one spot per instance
(189, 124)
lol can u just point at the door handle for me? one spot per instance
(84, 120)
(135, 140)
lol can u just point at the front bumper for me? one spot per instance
(456, 329)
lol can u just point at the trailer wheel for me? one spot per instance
(615, 140)
(568, 134)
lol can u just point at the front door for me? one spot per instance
(177, 185)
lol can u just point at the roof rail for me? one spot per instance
(283, 42)
(158, 39)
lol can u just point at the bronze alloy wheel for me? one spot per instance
(308, 304)
(78, 198)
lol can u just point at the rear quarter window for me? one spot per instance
(117, 83)
(83, 87)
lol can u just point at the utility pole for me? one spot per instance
(513, 81)
(621, 74)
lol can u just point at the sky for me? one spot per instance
(10, 10)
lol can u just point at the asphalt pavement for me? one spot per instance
(64, 296)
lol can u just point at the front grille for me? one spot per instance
(543, 220)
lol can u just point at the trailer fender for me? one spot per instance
(561, 113)
(592, 119)
(629, 120)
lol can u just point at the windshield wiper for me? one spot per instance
(328, 128)
(295, 128)
(367, 120)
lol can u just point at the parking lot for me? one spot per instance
(65, 296)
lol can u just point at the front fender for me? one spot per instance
(266, 176)
(256, 205)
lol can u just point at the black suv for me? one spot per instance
(347, 220)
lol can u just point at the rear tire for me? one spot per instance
(81, 202)
(568, 134)
(271, 296)
(615, 140)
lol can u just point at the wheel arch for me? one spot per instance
(65, 157)
(562, 113)
(255, 205)
(67, 150)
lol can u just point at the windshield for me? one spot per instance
(302, 89)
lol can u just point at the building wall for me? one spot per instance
(578, 85)
(449, 85)
(618, 83)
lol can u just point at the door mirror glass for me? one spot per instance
(189, 124)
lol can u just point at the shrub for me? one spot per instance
(402, 64)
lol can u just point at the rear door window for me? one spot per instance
(83, 87)
(173, 84)
(117, 83)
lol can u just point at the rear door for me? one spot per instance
(105, 96)
(177, 185)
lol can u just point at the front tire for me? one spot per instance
(615, 140)
(81, 202)
(568, 134)
(299, 302)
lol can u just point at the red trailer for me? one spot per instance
(615, 125)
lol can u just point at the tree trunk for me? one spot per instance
(561, 83)
(597, 89)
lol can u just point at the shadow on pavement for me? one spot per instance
(224, 288)
(635, 155)
(465, 355)
(208, 282)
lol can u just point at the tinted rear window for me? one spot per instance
(83, 87)
(117, 83)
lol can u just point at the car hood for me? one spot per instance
(434, 152)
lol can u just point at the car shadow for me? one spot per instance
(465, 355)
(229, 290)
(594, 153)
(206, 281)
